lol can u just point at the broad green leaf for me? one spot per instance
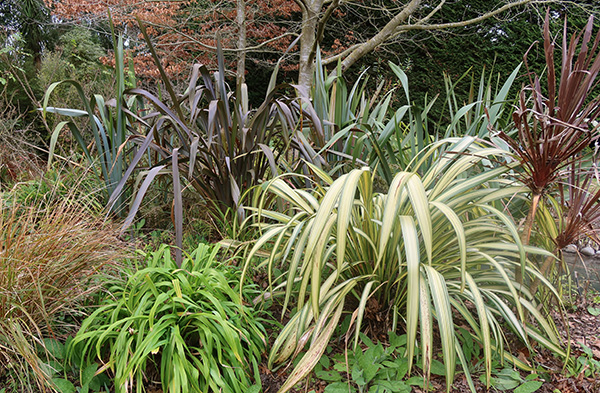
(528, 387)
(339, 387)
(63, 385)
(330, 376)
(55, 348)
(88, 374)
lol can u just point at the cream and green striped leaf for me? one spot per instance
(433, 246)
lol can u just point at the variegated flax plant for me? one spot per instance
(434, 246)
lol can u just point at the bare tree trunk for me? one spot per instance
(241, 44)
(310, 21)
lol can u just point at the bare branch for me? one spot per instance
(383, 35)
(341, 55)
(302, 4)
(441, 26)
(397, 26)
(433, 12)
(321, 28)
(214, 48)
(241, 44)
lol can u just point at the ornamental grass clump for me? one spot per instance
(49, 255)
(187, 324)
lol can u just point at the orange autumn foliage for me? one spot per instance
(184, 32)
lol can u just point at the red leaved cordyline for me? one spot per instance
(553, 130)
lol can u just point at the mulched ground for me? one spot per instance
(583, 328)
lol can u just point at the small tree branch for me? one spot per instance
(214, 48)
(341, 55)
(302, 4)
(433, 12)
(440, 26)
(321, 28)
(398, 26)
(241, 44)
(383, 35)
